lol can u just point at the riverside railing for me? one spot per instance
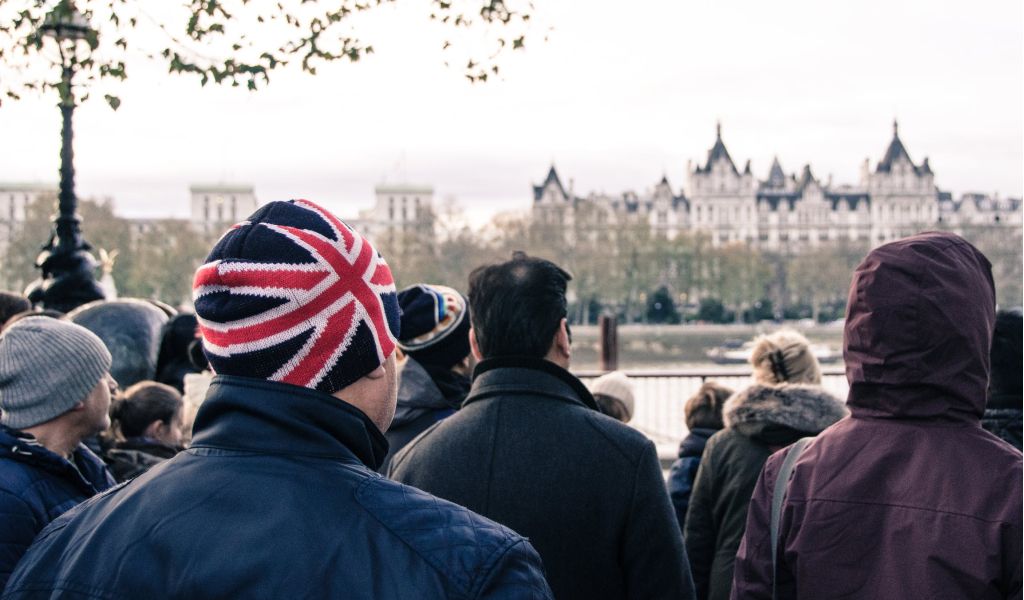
(661, 394)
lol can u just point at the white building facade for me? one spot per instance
(216, 207)
(783, 212)
(399, 211)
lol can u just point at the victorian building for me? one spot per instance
(897, 197)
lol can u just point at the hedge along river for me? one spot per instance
(666, 347)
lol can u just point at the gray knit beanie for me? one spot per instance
(47, 366)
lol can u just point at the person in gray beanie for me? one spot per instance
(54, 392)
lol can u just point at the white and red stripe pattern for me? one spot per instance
(317, 306)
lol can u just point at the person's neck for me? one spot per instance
(558, 358)
(55, 438)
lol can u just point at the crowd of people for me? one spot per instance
(311, 431)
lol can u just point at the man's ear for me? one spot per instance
(154, 429)
(376, 373)
(474, 347)
(562, 342)
(79, 406)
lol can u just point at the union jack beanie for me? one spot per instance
(295, 295)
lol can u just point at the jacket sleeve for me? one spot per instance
(18, 527)
(517, 573)
(701, 531)
(653, 553)
(752, 573)
(680, 486)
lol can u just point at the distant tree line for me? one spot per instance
(156, 259)
(632, 271)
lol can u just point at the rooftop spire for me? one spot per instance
(718, 129)
(895, 128)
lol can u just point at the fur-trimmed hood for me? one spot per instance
(800, 407)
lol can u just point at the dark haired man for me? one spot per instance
(530, 450)
(277, 497)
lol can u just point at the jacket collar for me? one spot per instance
(246, 414)
(87, 472)
(422, 389)
(693, 444)
(527, 375)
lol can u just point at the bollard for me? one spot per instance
(608, 344)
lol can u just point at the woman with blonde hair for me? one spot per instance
(785, 403)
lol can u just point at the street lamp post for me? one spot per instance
(67, 266)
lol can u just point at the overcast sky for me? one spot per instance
(621, 93)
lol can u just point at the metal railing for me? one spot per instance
(660, 396)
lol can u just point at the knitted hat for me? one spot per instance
(47, 366)
(295, 295)
(616, 385)
(435, 325)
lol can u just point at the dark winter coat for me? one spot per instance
(425, 396)
(1004, 423)
(132, 457)
(530, 450)
(36, 487)
(684, 470)
(909, 497)
(275, 499)
(759, 420)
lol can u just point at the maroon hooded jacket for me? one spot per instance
(908, 497)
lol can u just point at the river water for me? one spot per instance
(682, 346)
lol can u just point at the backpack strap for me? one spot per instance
(779, 498)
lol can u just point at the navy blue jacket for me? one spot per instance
(36, 487)
(684, 470)
(276, 498)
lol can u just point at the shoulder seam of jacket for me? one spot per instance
(479, 575)
(906, 506)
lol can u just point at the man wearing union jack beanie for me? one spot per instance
(277, 496)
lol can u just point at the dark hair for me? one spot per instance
(612, 406)
(173, 360)
(1005, 378)
(12, 304)
(46, 312)
(516, 306)
(143, 403)
(704, 409)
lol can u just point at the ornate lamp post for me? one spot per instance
(67, 279)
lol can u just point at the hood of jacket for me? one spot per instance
(256, 415)
(798, 407)
(919, 323)
(420, 391)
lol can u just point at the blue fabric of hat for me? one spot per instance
(435, 324)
